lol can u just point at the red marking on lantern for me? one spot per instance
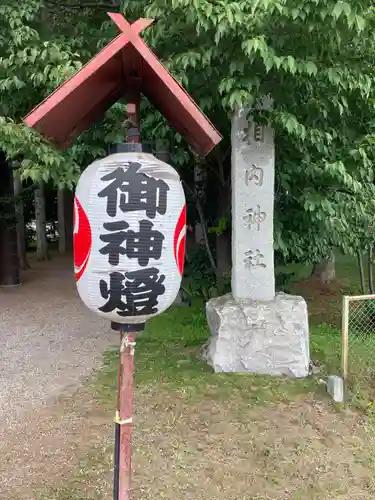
(180, 240)
(81, 239)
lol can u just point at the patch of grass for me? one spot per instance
(325, 310)
(325, 346)
(168, 356)
(361, 380)
(325, 342)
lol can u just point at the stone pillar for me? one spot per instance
(253, 174)
(253, 329)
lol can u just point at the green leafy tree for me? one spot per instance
(30, 67)
(42, 44)
(315, 59)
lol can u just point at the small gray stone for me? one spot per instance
(265, 337)
(335, 387)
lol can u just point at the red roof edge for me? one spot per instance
(84, 97)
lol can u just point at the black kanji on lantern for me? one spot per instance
(134, 293)
(131, 190)
(143, 245)
(114, 241)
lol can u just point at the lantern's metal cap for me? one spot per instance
(119, 327)
(129, 147)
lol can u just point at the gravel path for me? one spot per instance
(49, 340)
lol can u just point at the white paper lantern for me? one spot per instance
(129, 236)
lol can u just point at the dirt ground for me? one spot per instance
(302, 450)
(45, 446)
(188, 446)
(49, 343)
(207, 450)
(49, 339)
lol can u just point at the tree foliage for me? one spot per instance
(314, 58)
(30, 67)
(42, 45)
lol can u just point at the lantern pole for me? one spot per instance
(124, 413)
(132, 120)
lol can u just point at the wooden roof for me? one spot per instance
(83, 99)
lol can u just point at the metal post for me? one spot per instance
(124, 417)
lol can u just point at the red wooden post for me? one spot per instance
(125, 415)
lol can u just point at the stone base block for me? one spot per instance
(259, 337)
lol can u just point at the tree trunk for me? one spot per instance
(61, 220)
(200, 178)
(361, 273)
(65, 219)
(9, 267)
(205, 236)
(325, 270)
(223, 255)
(21, 241)
(40, 216)
(203, 227)
(370, 273)
(223, 241)
(68, 219)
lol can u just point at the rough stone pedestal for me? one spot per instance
(270, 337)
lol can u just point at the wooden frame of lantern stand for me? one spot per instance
(125, 66)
